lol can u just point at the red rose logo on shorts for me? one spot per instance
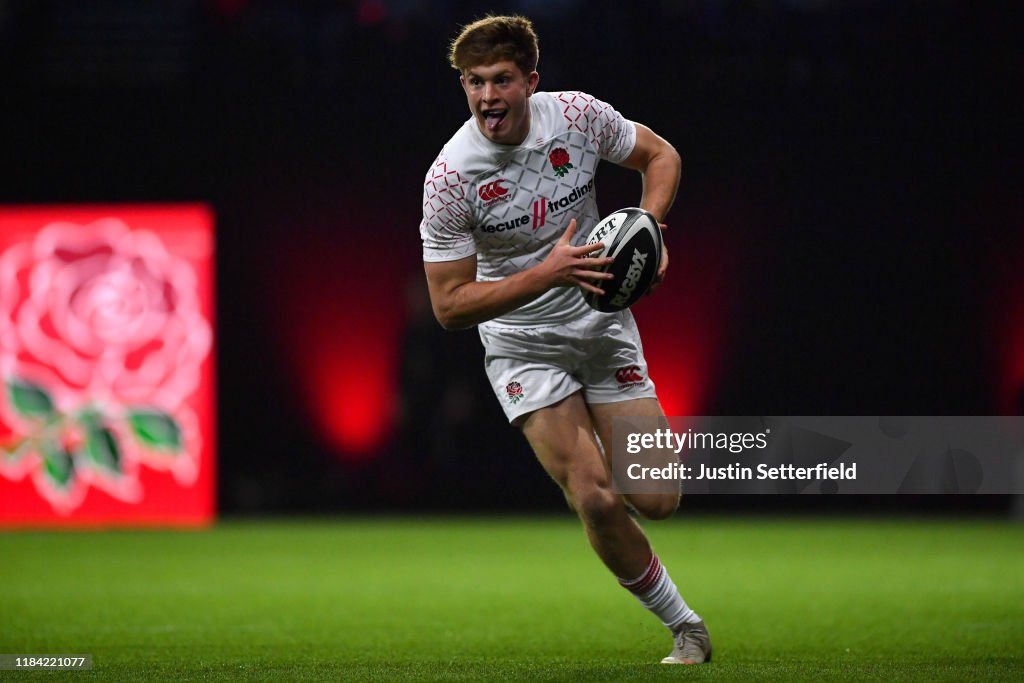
(514, 391)
(560, 161)
(101, 342)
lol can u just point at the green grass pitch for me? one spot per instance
(492, 598)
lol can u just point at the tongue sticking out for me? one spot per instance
(494, 121)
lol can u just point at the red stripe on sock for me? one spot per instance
(650, 577)
(649, 583)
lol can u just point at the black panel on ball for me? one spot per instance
(637, 253)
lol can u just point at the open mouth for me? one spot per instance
(494, 117)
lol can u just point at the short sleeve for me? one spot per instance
(446, 225)
(612, 134)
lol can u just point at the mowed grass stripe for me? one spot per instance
(475, 599)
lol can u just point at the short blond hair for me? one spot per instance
(495, 39)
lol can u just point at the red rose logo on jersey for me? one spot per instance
(514, 391)
(101, 342)
(560, 161)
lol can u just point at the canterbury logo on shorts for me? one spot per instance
(629, 377)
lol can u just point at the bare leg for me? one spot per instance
(562, 436)
(650, 505)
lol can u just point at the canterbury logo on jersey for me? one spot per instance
(493, 190)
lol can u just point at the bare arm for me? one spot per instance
(661, 167)
(460, 301)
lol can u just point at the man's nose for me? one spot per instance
(490, 92)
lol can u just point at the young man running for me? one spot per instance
(506, 206)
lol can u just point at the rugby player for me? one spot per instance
(507, 205)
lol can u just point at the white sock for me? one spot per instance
(655, 591)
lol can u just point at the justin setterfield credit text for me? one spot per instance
(733, 443)
(736, 472)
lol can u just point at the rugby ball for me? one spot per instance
(633, 238)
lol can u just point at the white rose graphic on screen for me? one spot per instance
(101, 335)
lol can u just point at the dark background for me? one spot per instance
(848, 237)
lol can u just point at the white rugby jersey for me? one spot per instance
(510, 204)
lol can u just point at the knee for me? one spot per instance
(596, 504)
(655, 506)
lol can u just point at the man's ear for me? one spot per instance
(531, 82)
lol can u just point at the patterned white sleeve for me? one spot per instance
(445, 228)
(614, 135)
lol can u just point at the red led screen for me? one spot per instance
(106, 360)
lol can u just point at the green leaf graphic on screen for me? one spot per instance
(58, 464)
(156, 429)
(29, 400)
(102, 448)
(13, 452)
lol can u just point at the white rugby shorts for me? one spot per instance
(533, 367)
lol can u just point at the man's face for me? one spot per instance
(498, 96)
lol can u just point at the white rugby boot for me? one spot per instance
(693, 645)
